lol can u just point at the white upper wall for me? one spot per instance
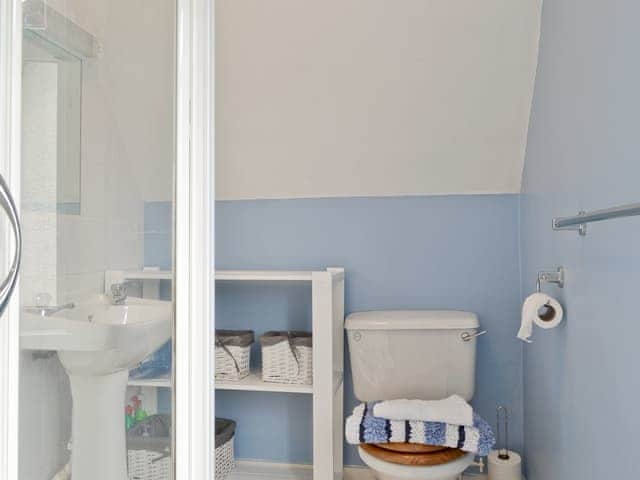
(372, 97)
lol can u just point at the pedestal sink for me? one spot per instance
(97, 344)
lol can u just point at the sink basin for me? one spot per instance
(97, 344)
(97, 338)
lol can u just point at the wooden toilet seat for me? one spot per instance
(430, 458)
(410, 447)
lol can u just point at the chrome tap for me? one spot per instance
(118, 293)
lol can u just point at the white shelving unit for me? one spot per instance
(327, 391)
(253, 383)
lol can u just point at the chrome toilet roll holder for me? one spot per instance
(550, 276)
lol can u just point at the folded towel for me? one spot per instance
(453, 410)
(363, 427)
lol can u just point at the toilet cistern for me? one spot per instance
(413, 354)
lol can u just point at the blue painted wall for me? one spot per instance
(581, 381)
(450, 252)
(414, 252)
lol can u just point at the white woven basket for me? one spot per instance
(149, 465)
(225, 461)
(226, 369)
(279, 365)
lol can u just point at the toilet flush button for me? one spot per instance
(357, 336)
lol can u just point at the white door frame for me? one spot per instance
(194, 285)
(193, 362)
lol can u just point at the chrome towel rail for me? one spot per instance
(579, 222)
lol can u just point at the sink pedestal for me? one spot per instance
(97, 343)
(98, 431)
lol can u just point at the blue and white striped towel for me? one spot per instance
(363, 427)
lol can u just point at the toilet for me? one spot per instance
(417, 354)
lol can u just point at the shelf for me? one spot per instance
(164, 382)
(326, 286)
(148, 275)
(264, 275)
(253, 383)
(229, 275)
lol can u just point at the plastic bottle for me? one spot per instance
(140, 414)
(129, 418)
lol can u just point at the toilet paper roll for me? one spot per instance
(507, 469)
(541, 309)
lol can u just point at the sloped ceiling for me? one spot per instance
(332, 98)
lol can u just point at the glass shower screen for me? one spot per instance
(96, 206)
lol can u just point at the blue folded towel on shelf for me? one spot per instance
(363, 427)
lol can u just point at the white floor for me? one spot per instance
(255, 470)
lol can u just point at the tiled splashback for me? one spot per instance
(158, 226)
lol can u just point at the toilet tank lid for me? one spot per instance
(411, 320)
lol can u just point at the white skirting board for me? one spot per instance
(257, 470)
(480, 477)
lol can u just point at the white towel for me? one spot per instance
(352, 425)
(453, 410)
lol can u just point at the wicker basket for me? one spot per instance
(225, 433)
(149, 465)
(149, 449)
(233, 354)
(287, 357)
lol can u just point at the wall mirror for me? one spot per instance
(54, 49)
